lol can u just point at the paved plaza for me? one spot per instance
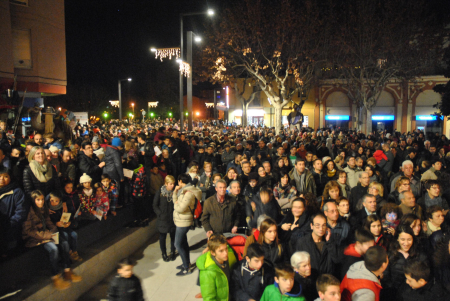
(158, 278)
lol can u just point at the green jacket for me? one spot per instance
(272, 293)
(213, 282)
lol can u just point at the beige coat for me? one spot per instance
(183, 200)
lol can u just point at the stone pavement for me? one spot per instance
(158, 278)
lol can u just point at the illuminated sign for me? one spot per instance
(337, 117)
(25, 119)
(426, 117)
(383, 117)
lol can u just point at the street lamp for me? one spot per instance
(120, 96)
(209, 12)
(132, 104)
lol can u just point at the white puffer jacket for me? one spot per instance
(185, 198)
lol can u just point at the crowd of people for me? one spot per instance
(326, 214)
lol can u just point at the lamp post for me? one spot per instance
(120, 96)
(132, 105)
(210, 12)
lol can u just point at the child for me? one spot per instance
(215, 269)
(372, 223)
(285, 287)
(125, 285)
(250, 278)
(264, 204)
(391, 217)
(38, 230)
(86, 195)
(55, 158)
(138, 193)
(156, 181)
(354, 252)
(420, 283)
(101, 200)
(50, 141)
(328, 288)
(64, 228)
(252, 188)
(70, 199)
(435, 219)
(113, 193)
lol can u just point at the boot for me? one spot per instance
(59, 283)
(165, 257)
(74, 256)
(70, 276)
(173, 256)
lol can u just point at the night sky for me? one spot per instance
(110, 40)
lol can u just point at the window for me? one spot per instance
(19, 2)
(22, 48)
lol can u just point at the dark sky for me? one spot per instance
(110, 40)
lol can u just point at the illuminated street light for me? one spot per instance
(59, 109)
(106, 115)
(151, 114)
(197, 39)
(187, 114)
(198, 114)
(210, 12)
(170, 114)
(153, 49)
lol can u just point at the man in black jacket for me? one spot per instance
(89, 163)
(146, 151)
(320, 246)
(359, 190)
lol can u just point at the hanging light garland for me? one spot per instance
(167, 53)
(114, 103)
(185, 69)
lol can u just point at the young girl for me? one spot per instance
(37, 230)
(113, 193)
(125, 286)
(101, 200)
(372, 224)
(71, 199)
(86, 195)
(391, 217)
(268, 239)
(65, 228)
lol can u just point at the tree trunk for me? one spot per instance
(278, 118)
(244, 114)
(359, 121)
(369, 122)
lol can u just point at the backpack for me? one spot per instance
(196, 213)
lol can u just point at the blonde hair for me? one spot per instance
(378, 186)
(338, 159)
(33, 152)
(169, 179)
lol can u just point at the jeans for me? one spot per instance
(162, 242)
(54, 251)
(71, 236)
(182, 245)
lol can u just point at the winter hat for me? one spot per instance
(53, 149)
(85, 178)
(116, 142)
(95, 139)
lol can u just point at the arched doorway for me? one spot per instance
(424, 112)
(337, 115)
(383, 114)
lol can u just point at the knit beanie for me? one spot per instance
(95, 139)
(116, 142)
(85, 178)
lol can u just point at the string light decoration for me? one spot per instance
(114, 103)
(209, 104)
(153, 104)
(167, 53)
(185, 69)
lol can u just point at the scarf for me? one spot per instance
(298, 180)
(166, 193)
(331, 173)
(57, 207)
(88, 192)
(43, 173)
(8, 188)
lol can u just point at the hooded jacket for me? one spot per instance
(360, 284)
(113, 163)
(214, 284)
(272, 292)
(249, 284)
(351, 256)
(13, 207)
(184, 202)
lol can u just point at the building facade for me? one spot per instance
(402, 106)
(33, 47)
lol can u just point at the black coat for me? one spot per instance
(113, 164)
(89, 166)
(357, 219)
(309, 289)
(164, 212)
(356, 194)
(31, 183)
(324, 262)
(432, 291)
(125, 289)
(246, 285)
(290, 237)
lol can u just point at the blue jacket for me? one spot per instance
(13, 208)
